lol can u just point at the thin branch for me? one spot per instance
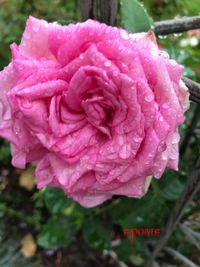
(108, 11)
(192, 236)
(88, 9)
(190, 130)
(177, 25)
(180, 257)
(194, 89)
(192, 187)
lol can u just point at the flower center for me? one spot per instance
(98, 113)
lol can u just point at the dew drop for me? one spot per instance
(154, 53)
(136, 139)
(72, 126)
(149, 97)
(46, 25)
(165, 106)
(162, 36)
(177, 34)
(176, 138)
(36, 27)
(162, 147)
(107, 63)
(81, 56)
(100, 165)
(115, 73)
(161, 118)
(89, 167)
(124, 35)
(164, 155)
(173, 62)
(164, 54)
(140, 187)
(125, 151)
(16, 129)
(7, 116)
(27, 36)
(121, 140)
(193, 41)
(26, 103)
(1, 109)
(173, 154)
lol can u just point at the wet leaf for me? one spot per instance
(134, 17)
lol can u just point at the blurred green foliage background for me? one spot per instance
(55, 220)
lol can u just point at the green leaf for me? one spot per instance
(169, 186)
(95, 234)
(134, 17)
(125, 249)
(132, 213)
(58, 232)
(56, 200)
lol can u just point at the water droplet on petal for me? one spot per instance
(125, 151)
(1, 108)
(175, 138)
(72, 126)
(149, 97)
(124, 35)
(26, 103)
(121, 140)
(165, 106)
(27, 36)
(161, 118)
(107, 63)
(154, 52)
(115, 73)
(16, 129)
(162, 147)
(136, 139)
(173, 62)
(123, 65)
(165, 155)
(7, 115)
(164, 54)
(81, 56)
(36, 27)
(89, 167)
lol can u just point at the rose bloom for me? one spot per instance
(95, 108)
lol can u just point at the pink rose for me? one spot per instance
(95, 108)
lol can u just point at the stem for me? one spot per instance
(88, 9)
(177, 25)
(190, 130)
(194, 89)
(19, 215)
(108, 11)
(192, 187)
(180, 257)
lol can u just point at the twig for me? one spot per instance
(190, 130)
(191, 235)
(177, 25)
(180, 257)
(192, 187)
(88, 9)
(194, 89)
(108, 11)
